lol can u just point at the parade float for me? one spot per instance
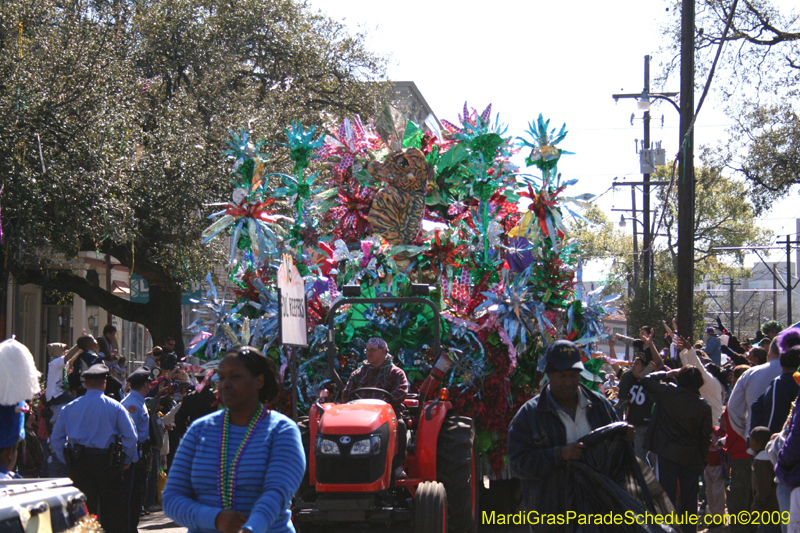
(436, 204)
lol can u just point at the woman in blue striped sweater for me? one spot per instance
(236, 470)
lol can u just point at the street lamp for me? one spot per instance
(623, 218)
(643, 103)
(759, 316)
(622, 224)
(644, 98)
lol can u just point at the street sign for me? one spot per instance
(292, 305)
(195, 292)
(140, 290)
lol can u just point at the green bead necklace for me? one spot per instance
(227, 471)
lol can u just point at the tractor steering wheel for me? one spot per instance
(387, 395)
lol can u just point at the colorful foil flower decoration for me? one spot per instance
(544, 154)
(260, 223)
(542, 216)
(445, 252)
(512, 308)
(585, 316)
(243, 148)
(298, 190)
(351, 140)
(264, 328)
(221, 322)
(350, 211)
(468, 119)
(302, 145)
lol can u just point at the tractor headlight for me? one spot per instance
(368, 446)
(327, 447)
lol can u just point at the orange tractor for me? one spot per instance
(352, 454)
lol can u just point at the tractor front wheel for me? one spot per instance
(430, 508)
(457, 468)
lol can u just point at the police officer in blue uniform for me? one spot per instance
(136, 475)
(95, 437)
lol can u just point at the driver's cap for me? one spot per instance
(562, 355)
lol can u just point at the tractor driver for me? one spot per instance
(378, 371)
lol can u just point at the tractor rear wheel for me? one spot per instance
(458, 469)
(430, 508)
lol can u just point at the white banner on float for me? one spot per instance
(292, 305)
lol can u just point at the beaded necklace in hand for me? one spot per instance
(227, 471)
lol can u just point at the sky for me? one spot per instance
(561, 59)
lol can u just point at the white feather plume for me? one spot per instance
(19, 379)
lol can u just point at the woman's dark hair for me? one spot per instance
(725, 376)
(690, 378)
(716, 371)
(258, 364)
(760, 354)
(85, 341)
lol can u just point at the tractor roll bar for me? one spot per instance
(387, 300)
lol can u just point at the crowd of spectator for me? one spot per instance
(714, 419)
(174, 394)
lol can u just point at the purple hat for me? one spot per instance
(788, 338)
(709, 330)
(377, 342)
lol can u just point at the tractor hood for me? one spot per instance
(358, 417)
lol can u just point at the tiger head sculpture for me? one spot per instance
(397, 209)
(408, 170)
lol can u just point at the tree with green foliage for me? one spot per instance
(724, 217)
(113, 116)
(657, 301)
(757, 79)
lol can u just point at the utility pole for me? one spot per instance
(647, 246)
(635, 243)
(774, 300)
(789, 286)
(731, 286)
(685, 267)
(647, 158)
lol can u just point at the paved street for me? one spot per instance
(159, 522)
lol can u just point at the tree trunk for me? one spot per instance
(162, 315)
(165, 317)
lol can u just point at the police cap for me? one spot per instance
(96, 371)
(139, 376)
